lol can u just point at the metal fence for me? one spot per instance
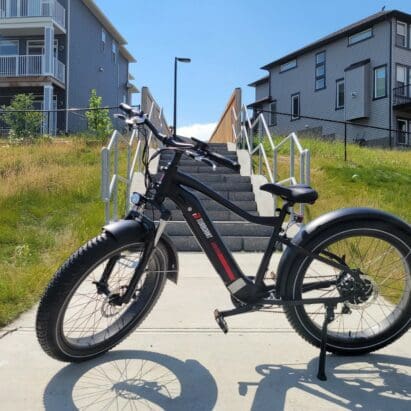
(254, 135)
(62, 121)
(131, 145)
(33, 8)
(347, 132)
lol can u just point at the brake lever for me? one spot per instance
(209, 162)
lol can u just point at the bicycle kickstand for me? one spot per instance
(328, 318)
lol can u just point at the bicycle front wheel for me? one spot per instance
(382, 254)
(75, 319)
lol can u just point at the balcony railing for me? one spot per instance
(402, 95)
(33, 8)
(30, 66)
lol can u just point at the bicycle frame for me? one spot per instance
(172, 185)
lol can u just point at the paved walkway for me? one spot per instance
(180, 360)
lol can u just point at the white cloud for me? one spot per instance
(199, 131)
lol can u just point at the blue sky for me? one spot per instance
(227, 40)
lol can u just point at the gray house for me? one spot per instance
(60, 51)
(360, 74)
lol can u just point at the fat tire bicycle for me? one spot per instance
(344, 281)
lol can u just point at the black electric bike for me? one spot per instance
(344, 281)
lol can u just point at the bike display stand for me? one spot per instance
(328, 318)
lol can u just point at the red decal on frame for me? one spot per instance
(223, 261)
(197, 216)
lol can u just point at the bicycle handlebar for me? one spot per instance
(200, 148)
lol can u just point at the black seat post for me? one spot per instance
(272, 244)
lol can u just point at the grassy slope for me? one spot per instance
(49, 202)
(384, 178)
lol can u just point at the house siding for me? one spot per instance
(322, 103)
(376, 51)
(91, 66)
(88, 66)
(401, 56)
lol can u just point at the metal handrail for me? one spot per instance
(263, 133)
(110, 175)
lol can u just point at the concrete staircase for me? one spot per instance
(238, 234)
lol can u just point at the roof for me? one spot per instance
(266, 99)
(346, 31)
(101, 17)
(127, 55)
(106, 23)
(261, 80)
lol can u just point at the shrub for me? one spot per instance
(24, 125)
(99, 122)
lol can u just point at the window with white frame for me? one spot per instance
(295, 106)
(288, 66)
(401, 38)
(361, 36)
(380, 82)
(339, 94)
(9, 47)
(273, 113)
(37, 48)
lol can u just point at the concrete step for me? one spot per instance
(186, 163)
(214, 215)
(193, 169)
(211, 205)
(222, 178)
(225, 228)
(254, 244)
(169, 156)
(229, 195)
(224, 186)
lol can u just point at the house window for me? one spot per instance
(9, 47)
(114, 51)
(288, 66)
(37, 47)
(403, 79)
(320, 71)
(340, 96)
(295, 106)
(361, 36)
(273, 113)
(402, 131)
(401, 37)
(103, 39)
(380, 82)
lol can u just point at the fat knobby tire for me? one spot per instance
(312, 333)
(68, 277)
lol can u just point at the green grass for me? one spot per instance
(50, 204)
(371, 177)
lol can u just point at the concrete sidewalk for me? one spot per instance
(180, 360)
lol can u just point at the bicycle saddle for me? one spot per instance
(298, 193)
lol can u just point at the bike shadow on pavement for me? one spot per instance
(369, 382)
(130, 380)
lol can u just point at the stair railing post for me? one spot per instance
(115, 186)
(275, 173)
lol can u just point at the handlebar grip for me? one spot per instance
(129, 110)
(224, 161)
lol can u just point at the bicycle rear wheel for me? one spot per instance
(75, 320)
(382, 253)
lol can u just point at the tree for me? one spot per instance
(99, 122)
(24, 125)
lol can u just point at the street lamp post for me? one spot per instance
(176, 60)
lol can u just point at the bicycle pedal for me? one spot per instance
(221, 321)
